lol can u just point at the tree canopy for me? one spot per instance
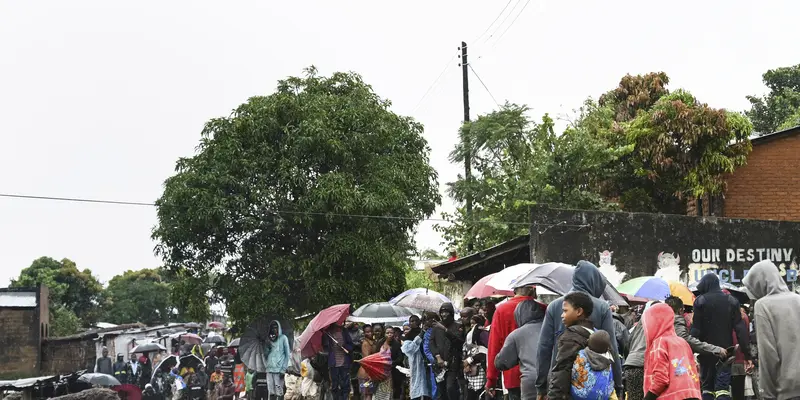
(139, 296)
(72, 290)
(295, 195)
(780, 108)
(639, 147)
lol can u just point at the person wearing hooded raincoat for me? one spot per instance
(716, 315)
(587, 279)
(412, 347)
(777, 314)
(669, 362)
(520, 347)
(277, 360)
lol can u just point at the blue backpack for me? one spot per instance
(588, 384)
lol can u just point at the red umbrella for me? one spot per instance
(481, 289)
(191, 338)
(131, 392)
(216, 325)
(378, 366)
(311, 339)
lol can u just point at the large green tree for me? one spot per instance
(780, 108)
(297, 195)
(139, 296)
(71, 289)
(518, 163)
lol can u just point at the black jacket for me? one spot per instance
(717, 315)
(572, 340)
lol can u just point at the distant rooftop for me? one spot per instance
(17, 299)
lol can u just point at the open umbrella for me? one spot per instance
(558, 278)
(99, 379)
(378, 365)
(421, 299)
(380, 313)
(648, 287)
(148, 348)
(507, 278)
(190, 361)
(167, 364)
(737, 292)
(311, 338)
(192, 325)
(190, 338)
(132, 392)
(216, 339)
(481, 290)
(216, 325)
(234, 343)
(682, 292)
(256, 338)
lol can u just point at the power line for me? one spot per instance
(497, 28)
(286, 212)
(484, 85)
(512, 23)
(441, 74)
(490, 25)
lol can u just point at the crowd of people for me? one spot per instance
(580, 347)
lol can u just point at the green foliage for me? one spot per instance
(779, 108)
(263, 204)
(77, 291)
(139, 296)
(518, 163)
(63, 322)
(421, 279)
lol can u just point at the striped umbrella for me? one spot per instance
(648, 287)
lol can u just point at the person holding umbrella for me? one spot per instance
(339, 345)
(277, 353)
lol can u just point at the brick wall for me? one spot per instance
(64, 356)
(19, 342)
(766, 187)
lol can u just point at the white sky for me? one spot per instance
(98, 99)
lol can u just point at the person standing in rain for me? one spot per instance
(776, 316)
(104, 364)
(716, 316)
(520, 347)
(336, 341)
(587, 279)
(446, 346)
(277, 360)
(121, 370)
(503, 324)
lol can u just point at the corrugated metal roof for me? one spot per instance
(17, 299)
(25, 383)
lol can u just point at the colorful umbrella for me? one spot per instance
(481, 290)
(421, 299)
(311, 338)
(378, 366)
(649, 287)
(682, 292)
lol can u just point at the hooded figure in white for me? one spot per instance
(777, 315)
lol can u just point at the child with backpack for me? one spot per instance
(581, 373)
(669, 362)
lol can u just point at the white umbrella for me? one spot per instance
(505, 279)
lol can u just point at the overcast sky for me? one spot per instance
(98, 99)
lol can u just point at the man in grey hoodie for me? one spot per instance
(587, 279)
(777, 315)
(520, 346)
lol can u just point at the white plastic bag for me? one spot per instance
(748, 386)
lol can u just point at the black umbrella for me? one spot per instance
(167, 364)
(558, 278)
(192, 325)
(99, 379)
(190, 361)
(214, 339)
(148, 348)
(252, 343)
(380, 313)
(234, 343)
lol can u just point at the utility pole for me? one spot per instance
(467, 146)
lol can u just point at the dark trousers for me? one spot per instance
(340, 382)
(448, 389)
(737, 387)
(715, 379)
(514, 394)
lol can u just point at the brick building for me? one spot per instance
(24, 318)
(764, 188)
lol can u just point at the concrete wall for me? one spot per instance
(642, 244)
(764, 188)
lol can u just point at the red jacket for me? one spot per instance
(669, 368)
(503, 323)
